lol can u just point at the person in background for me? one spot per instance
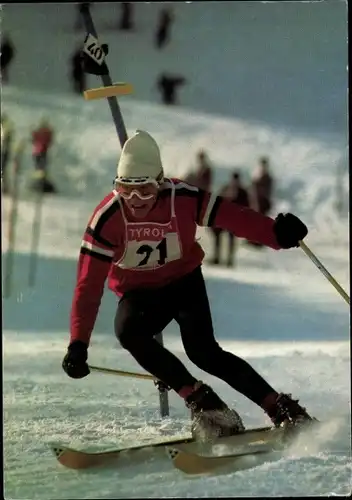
(261, 191)
(168, 85)
(8, 52)
(7, 134)
(126, 22)
(202, 177)
(262, 187)
(42, 139)
(162, 34)
(77, 73)
(236, 193)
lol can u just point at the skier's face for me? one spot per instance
(139, 199)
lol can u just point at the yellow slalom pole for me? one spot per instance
(324, 271)
(122, 373)
(117, 89)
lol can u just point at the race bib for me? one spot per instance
(151, 253)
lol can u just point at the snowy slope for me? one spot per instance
(282, 63)
(275, 309)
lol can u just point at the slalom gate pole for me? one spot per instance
(9, 259)
(110, 93)
(106, 79)
(36, 227)
(324, 271)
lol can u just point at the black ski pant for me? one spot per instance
(143, 313)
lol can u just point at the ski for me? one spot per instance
(253, 452)
(80, 459)
(192, 463)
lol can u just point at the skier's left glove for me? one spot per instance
(289, 230)
(92, 67)
(75, 361)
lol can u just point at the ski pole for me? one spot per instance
(163, 394)
(324, 271)
(36, 227)
(13, 219)
(122, 373)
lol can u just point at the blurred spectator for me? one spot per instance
(7, 134)
(162, 34)
(261, 190)
(167, 85)
(202, 177)
(42, 139)
(235, 192)
(79, 24)
(126, 23)
(7, 54)
(262, 187)
(77, 74)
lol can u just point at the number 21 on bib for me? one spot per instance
(150, 254)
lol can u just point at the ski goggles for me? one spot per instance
(144, 191)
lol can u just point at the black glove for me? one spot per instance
(75, 361)
(92, 67)
(289, 230)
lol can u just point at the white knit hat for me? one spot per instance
(140, 160)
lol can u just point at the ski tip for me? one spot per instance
(57, 449)
(172, 452)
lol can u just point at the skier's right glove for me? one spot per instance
(75, 361)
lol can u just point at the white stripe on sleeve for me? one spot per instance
(93, 248)
(103, 210)
(209, 209)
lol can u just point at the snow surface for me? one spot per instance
(275, 309)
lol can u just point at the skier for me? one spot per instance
(142, 237)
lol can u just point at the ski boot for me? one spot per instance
(211, 417)
(286, 412)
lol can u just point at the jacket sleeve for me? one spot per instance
(217, 212)
(96, 254)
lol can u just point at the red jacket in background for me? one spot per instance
(114, 248)
(41, 139)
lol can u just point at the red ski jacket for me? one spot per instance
(42, 140)
(134, 253)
